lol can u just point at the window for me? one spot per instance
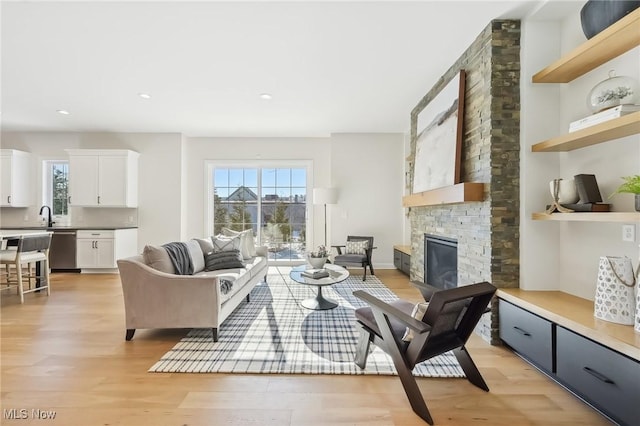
(272, 201)
(56, 186)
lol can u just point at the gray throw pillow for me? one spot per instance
(205, 245)
(158, 258)
(230, 259)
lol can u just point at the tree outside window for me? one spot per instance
(56, 186)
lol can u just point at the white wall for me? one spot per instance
(564, 255)
(368, 170)
(159, 211)
(201, 150)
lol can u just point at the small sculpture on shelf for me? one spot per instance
(580, 194)
(562, 191)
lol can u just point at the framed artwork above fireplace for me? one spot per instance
(439, 138)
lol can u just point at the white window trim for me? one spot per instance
(46, 191)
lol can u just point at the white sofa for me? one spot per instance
(156, 299)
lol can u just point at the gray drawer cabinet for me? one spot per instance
(606, 379)
(528, 334)
(402, 261)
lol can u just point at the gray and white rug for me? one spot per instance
(274, 334)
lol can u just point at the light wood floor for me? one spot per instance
(67, 353)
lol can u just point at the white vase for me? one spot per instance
(316, 262)
(567, 193)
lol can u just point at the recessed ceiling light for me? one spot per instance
(144, 95)
(63, 112)
(266, 96)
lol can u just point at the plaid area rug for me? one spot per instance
(274, 334)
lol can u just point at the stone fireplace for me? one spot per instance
(486, 232)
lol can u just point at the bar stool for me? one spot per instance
(30, 249)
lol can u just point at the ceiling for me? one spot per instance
(330, 67)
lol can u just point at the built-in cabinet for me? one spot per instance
(402, 258)
(594, 359)
(100, 249)
(15, 178)
(103, 178)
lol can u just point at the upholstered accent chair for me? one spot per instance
(445, 325)
(357, 253)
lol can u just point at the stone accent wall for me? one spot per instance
(488, 231)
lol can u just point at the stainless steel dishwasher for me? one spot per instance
(62, 253)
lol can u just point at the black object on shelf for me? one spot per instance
(587, 187)
(596, 15)
(587, 207)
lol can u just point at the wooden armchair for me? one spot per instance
(448, 322)
(356, 258)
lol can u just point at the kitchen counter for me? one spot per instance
(69, 228)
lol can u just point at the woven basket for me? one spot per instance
(615, 299)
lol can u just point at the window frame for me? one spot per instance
(211, 165)
(47, 186)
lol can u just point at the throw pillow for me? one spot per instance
(205, 245)
(357, 247)
(224, 260)
(197, 256)
(158, 258)
(418, 313)
(247, 244)
(223, 243)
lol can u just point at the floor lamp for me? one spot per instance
(325, 196)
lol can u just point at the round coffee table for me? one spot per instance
(336, 274)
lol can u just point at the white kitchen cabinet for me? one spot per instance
(100, 249)
(15, 178)
(103, 178)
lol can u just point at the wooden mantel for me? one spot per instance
(458, 193)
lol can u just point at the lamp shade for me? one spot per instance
(325, 195)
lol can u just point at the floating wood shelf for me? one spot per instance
(459, 193)
(589, 217)
(613, 129)
(619, 38)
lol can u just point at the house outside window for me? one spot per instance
(271, 201)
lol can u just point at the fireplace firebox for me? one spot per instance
(440, 261)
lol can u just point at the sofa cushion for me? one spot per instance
(224, 243)
(247, 244)
(158, 258)
(197, 256)
(224, 260)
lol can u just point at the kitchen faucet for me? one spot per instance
(49, 221)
